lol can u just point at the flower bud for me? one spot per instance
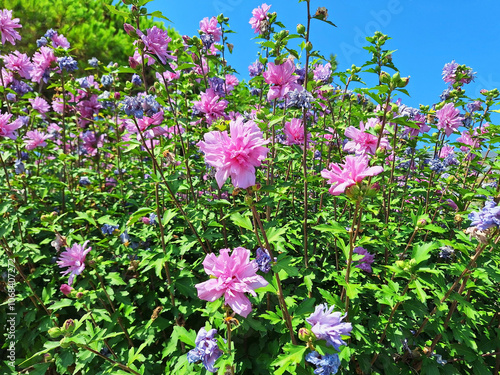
(309, 46)
(385, 77)
(129, 29)
(248, 200)
(380, 152)
(306, 334)
(64, 344)
(301, 29)
(69, 326)
(54, 332)
(47, 357)
(421, 223)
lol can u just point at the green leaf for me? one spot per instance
(113, 10)
(435, 228)
(115, 278)
(159, 14)
(138, 214)
(187, 337)
(284, 264)
(421, 252)
(241, 221)
(294, 354)
(85, 216)
(420, 291)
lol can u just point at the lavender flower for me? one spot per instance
(325, 365)
(108, 229)
(206, 350)
(328, 326)
(255, 91)
(107, 80)
(136, 80)
(41, 42)
(50, 33)
(84, 181)
(93, 62)
(207, 40)
(437, 165)
(19, 166)
(446, 252)
(365, 263)
(488, 217)
(255, 69)
(300, 99)
(217, 84)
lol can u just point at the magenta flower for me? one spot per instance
(74, 259)
(294, 132)
(39, 104)
(59, 40)
(259, 15)
(9, 130)
(42, 61)
(34, 139)
(422, 126)
(211, 27)
(363, 142)
(7, 26)
(235, 156)
(281, 76)
(328, 326)
(156, 41)
(352, 172)
(91, 143)
(65, 289)
(20, 63)
(364, 263)
(449, 118)
(231, 276)
(469, 140)
(231, 82)
(446, 151)
(210, 105)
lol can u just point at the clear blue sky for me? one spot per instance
(427, 34)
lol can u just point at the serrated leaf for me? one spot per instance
(241, 221)
(115, 279)
(294, 354)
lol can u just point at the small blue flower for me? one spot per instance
(107, 80)
(136, 80)
(41, 42)
(152, 218)
(19, 166)
(84, 181)
(93, 62)
(108, 229)
(488, 217)
(50, 33)
(206, 350)
(84, 82)
(325, 365)
(300, 99)
(67, 63)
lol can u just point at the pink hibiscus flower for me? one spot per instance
(281, 76)
(20, 63)
(156, 41)
(34, 139)
(259, 15)
(39, 104)
(233, 276)
(210, 105)
(211, 27)
(7, 26)
(363, 142)
(74, 259)
(236, 156)
(9, 130)
(294, 132)
(449, 118)
(352, 172)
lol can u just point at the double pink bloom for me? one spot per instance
(352, 172)
(235, 156)
(282, 79)
(231, 276)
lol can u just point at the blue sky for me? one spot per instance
(426, 34)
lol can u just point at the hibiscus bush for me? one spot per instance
(169, 217)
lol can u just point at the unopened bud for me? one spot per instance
(64, 343)
(69, 326)
(54, 332)
(305, 334)
(47, 357)
(129, 29)
(309, 46)
(421, 223)
(301, 29)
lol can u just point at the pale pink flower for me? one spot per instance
(202, 69)
(236, 156)
(362, 141)
(74, 259)
(7, 77)
(449, 118)
(156, 42)
(445, 151)
(20, 63)
(136, 59)
(211, 27)
(167, 75)
(34, 139)
(210, 105)
(422, 126)
(259, 15)
(39, 104)
(9, 130)
(231, 276)
(294, 132)
(91, 143)
(282, 79)
(7, 26)
(352, 172)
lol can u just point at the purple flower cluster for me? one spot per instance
(328, 325)
(67, 63)
(263, 260)
(206, 350)
(487, 218)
